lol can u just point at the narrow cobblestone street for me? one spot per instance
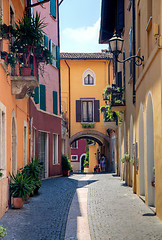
(114, 212)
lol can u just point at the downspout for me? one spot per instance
(58, 25)
(69, 100)
(134, 49)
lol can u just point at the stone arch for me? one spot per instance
(141, 152)
(90, 72)
(13, 143)
(97, 136)
(150, 149)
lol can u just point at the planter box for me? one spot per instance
(118, 108)
(110, 125)
(26, 71)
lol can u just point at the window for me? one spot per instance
(88, 80)
(87, 111)
(74, 144)
(130, 51)
(3, 138)
(74, 158)
(42, 97)
(89, 77)
(149, 9)
(55, 149)
(52, 48)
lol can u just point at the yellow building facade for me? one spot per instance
(140, 133)
(84, 76)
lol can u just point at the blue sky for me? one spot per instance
(79, 26)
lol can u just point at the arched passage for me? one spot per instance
(150, 149)
(141, 153)
(13, 144)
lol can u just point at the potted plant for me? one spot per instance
(127, 157)
(33, 170)
(66, 165)
(3, 232)
(1, 174)
(20, 187)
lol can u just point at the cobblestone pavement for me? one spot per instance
(45, 216)
(116, 213)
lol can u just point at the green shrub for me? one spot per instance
(66, 165)
(3, 232)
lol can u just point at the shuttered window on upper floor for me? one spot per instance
(53, 8)
(120, 16)
(55, 103)
(42, 97)
(87, 110)
(55, 51)
(36, 95)
(46, 42)
(130, 51)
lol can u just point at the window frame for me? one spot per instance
(90, 72)
(75, 147)
(87, 100)
(74, 155)
(55, 149)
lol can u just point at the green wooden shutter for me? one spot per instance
(55, 103)
(43, 97)
(50, 48)
(36, 95)
(53, 8)
(46, 41)
(58, 57)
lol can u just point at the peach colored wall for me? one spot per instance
(50, 77)
(19, 106)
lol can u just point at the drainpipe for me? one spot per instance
(134, 49)
(58, 25)
(69, 99)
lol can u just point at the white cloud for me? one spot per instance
(84, 39)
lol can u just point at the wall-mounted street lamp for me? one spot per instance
(116, 46)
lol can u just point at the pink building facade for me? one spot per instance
(45, 141)
(78, 152)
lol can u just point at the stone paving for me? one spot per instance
(45, 216)
(116, 213)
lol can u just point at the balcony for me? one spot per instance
(117, 101)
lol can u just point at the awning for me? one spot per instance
(107, 27)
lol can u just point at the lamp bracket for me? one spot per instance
(138, 60)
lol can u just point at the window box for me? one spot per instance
(88, 125)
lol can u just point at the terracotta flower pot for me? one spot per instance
(65, 173)
(18, 203)
(26, 71)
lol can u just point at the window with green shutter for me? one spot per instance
(46, 41)
(53, 8)
(43, 97)
(36, 95)
(55, 103)
(58, 57)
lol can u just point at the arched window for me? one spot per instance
(89, 78)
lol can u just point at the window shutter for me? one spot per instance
(46, 41)
(55, 102)
(120, 16)
(36, 95)
(50, 49)
(53, 8)
(130, 49)
(78, 110)
(58, 57)
(43, 97)
(96, 111)
(120, 79)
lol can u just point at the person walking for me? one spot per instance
(102, 163)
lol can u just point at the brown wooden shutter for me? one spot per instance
(96, 111)
(78, 110)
